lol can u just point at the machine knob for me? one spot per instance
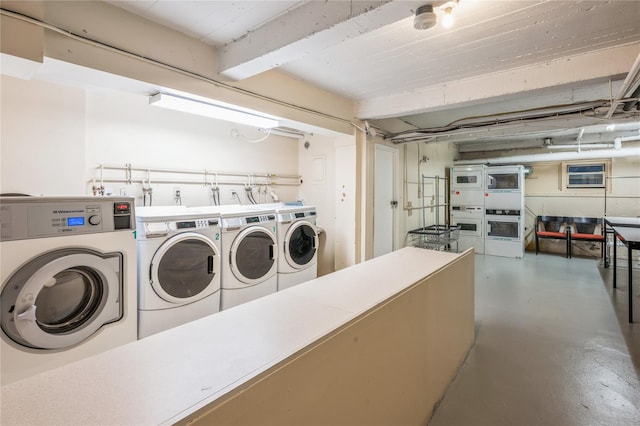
(95, 220)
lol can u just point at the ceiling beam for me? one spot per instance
(306, 30)
(489, 88)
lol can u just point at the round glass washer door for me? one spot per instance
(185, 267)
(253, 255)
(300, 244)
(62, 298)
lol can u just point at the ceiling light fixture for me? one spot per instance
(284, 132)
(206, 109)
(424, 18)
(447, 19)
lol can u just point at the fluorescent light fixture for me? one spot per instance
(284, 132)
(206, 109)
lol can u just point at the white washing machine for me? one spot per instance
(178, 267)
(298, 245)
(250, 254)
(68, 274)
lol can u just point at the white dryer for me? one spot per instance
(68, 274)
(178, 267)
(298, 245)
(250, 253)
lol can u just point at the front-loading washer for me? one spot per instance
(250, 253)
(178, 267)
(68, 273)
(298, 245)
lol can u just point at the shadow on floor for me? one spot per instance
(620, 301)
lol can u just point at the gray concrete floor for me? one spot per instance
(553, 347)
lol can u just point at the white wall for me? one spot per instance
(322, 189)
(42, 138)
(54, 137)
(545, 194)
(123, 128)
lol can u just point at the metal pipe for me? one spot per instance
(581, 147)
(438, 201)
(626, 85)
(555, 156)
(190, 182)
(196, 172)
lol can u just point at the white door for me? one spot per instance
(385, 201)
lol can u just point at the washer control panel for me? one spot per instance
(197, 224)
(287, 217)
(238, 222)
(38, 217)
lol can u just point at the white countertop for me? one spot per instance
(623, 221)
(164, 377)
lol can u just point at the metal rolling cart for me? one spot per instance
(439, 236)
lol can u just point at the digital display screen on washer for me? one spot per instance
(254, 219)
(122, 207)
(299, 215)
(75, 221)
(183, 225)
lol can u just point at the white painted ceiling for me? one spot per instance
(368, 51)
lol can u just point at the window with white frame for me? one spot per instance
(585, 175)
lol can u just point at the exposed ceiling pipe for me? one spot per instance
(555, 156)
(633, 103)
(504, 121)
(627, 85)
(583, 146)
(628, 138)
(580, 138)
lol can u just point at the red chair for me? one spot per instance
(553, 227)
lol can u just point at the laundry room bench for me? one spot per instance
(569, 229)
(553, 227)
(585, 229)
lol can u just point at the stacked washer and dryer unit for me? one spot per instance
(487, 202)
(467, 206)
(504, 211)
(68, 274)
